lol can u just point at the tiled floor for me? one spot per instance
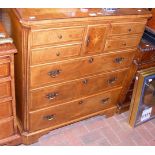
(100, 131)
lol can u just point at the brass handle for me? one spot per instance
(80, 102)
(49, 117)
(91, 60)
(85, 81)
(124, 44)
(129, 29)
(104, 101)
(119, 60)
(112, 80)
(60, 36)
(88, 41)
(52, 96)
(57, 53)
(54, 73)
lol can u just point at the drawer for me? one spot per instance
(57, 94)
(72, 69)
(60, 35)
(5, 109)
(49, 54)
(6, 128)
(122, 43)
(64, 113)
(4, 67)
(127, 28)
(5, 89)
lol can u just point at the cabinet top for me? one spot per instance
(36, 14)
(6, 48)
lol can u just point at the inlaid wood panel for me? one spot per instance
(5, 89)
(4, 67)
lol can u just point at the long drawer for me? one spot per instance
(54, 53)
(57, 35)
(60, 114)
(6, 128)
(57, 94)
(127, 28)
(4, 67)
(5, 109)
(72, 69)
(122, 43)
(5, 89)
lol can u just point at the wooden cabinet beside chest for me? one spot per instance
(8, 124)
(71, 66)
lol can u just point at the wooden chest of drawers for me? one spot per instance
(8, 124)
(70, 65)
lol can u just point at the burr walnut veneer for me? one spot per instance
(8, 124)
(72, 64)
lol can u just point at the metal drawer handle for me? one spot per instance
(88, 41)
(54, 73)
(112, 80)
(119, 60)
(91, 60)
(124, 44)
(129, 29)
(85, 81)
(52, 96)
(81, 102)
(106, 100)
(57, 53)
(49, 117)
(60, 36)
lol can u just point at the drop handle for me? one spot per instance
(124, 44)
(52, 96)
(129, 29)
(54, 73)
(60, 36)
(88, 41)
(91, 60)
(112, 80)
(85, 81)
(118, 60)
(48, 117)
(57, 53)
(81, 102)
(104, 101)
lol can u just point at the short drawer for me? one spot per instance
(5, 109)
(6, 128)
(64, 113)
(5, 89)
(72, 69)
(122, 43)
(127, 28)
(54, 36)
(57, 94)
(4, 67)
(49, 54)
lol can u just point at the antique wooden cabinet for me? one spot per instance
(72, 64)
(8, 125)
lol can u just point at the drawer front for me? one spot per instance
(122, 43)
(5, 89)
(53, 36)
(127, 28)
(5, 109)
(80, 88)
(4, 67)
(46, 55)
(6, 129)
(60, 114)
(72, 69)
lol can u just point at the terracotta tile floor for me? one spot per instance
(100, 131)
